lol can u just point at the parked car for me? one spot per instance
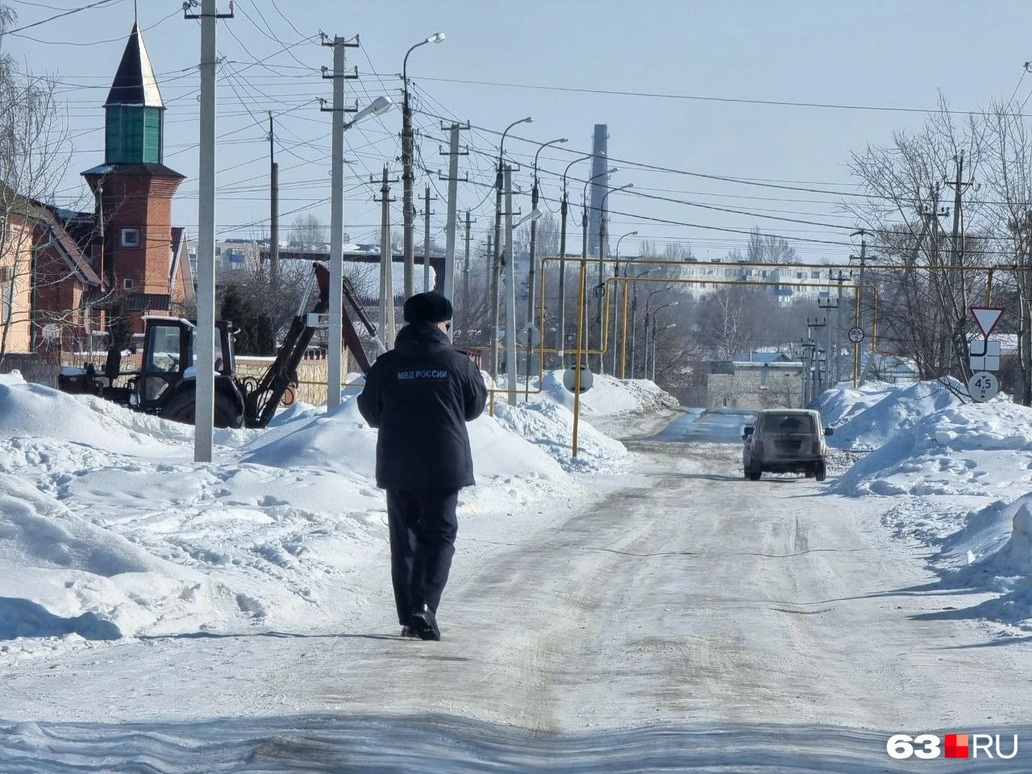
(785, 441)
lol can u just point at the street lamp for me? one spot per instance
(533, 252)
(584, 241)
(335, 345)
(653, 314)
(654, 332)
(616, 299)
(601, 264)
(510, 321)
(634, 315)
(496, 270)
(406, 164)
(377, 107)
(617, 251)
(564, 208)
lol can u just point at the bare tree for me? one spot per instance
(308, 234)
(905, 209)
(1011, 184)
(768, 248)
(34, 152)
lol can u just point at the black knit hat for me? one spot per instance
(427, 307)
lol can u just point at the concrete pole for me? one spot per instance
(561, 344)
(273, 213)
(450, 227)
(336, 316)
(386, 321)
(465, 274)
(510, 321)
(426, 240)
(496, 273)
(204, 401)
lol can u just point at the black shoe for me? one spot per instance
(425, 623)
(409, 631)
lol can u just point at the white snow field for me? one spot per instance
(641, 607)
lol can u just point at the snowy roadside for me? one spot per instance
(955, 479)
(108, 529)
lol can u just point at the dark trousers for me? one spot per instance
(423, 527)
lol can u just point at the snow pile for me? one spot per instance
(972, 449)
(610, 396)
(549, 425)
(867, 418)
(109, 529)
(959, 472)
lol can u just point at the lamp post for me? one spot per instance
(616, 299)
(601, 265)
(654, 332)
(510, 322)
(634, 315)
(564, 209)
(651, 315)
(584, 240)
(533, 253)
(406, 164)
(496, 269)
(335, 344)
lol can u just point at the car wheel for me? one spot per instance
(810, 472)
(754, 472)
(820, 471)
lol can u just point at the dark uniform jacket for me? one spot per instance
(420, 396)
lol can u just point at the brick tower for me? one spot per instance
(133, 190)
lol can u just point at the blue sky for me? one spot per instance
(692, 93)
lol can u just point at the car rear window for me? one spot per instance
(788, 423)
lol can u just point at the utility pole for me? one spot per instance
(465, 275)
(386, 322)
(955, 277)
(510, 305)
(935, 263)
(838, 327)
(863, 258)
(829, 303)
(814, 360)
(450, 228)
(273, 213)
(496, 274)
(204, 400)
(335, 348)
(426, 239)
(561, 344)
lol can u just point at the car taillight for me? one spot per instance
(816, 447)
(757, 447)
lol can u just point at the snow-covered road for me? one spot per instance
(683, 619)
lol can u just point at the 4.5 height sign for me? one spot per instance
(903, 746)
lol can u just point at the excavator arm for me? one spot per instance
(261, 402)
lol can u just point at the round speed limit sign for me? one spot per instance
(982, 386)
(856, 335)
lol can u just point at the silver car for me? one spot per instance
(785, 441)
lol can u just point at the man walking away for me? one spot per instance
(419, 396)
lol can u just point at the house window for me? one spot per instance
(130, 237)
(127, 284)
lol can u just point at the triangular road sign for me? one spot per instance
(986, 317)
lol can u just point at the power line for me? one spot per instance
(60, 15)
(697, 98)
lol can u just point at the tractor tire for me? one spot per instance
(181, 408)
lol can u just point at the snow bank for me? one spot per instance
(108, 528)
